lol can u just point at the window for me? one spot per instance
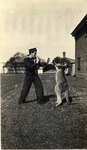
(79, 63)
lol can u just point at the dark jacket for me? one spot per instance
(30, 66)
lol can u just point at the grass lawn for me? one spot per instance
(35, 126)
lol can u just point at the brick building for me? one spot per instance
(80, 35)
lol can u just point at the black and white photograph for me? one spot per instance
(43, 74)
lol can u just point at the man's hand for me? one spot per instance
(37, 61)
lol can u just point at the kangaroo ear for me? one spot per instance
(48, 60)
(53, 62)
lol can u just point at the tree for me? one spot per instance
(15, 62)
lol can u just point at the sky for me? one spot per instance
(44, 24)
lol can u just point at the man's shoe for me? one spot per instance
(21, 102)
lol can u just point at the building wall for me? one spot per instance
(81, 53)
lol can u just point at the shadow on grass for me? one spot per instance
(45, 99)
(70, 100)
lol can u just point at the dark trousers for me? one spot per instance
(26, 87)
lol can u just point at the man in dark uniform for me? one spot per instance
(32, 63)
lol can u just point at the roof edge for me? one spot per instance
(79, 26)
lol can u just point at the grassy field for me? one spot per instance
(35, 126)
